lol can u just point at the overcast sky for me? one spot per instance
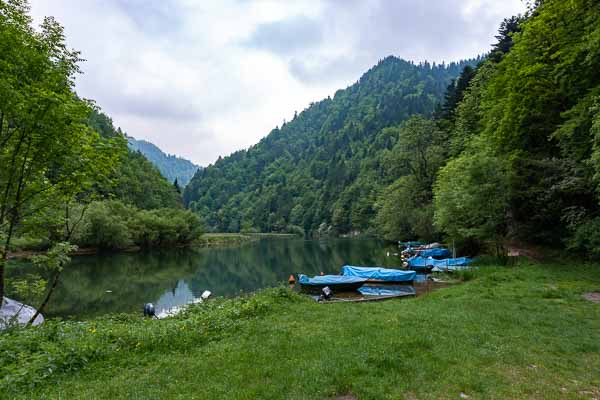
(203, 78)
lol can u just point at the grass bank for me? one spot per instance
(518, 332)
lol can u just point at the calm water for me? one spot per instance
(99, 284)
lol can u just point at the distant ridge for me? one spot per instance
(170, 166)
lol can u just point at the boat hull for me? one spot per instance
(335, 287)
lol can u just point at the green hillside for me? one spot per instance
(323, 167)
(170, 166)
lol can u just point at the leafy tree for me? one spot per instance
(472, 198)
(47, 152)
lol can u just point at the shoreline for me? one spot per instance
(207, 240)
(375, 342)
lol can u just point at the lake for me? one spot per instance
(93, 285)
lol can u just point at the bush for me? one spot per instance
(114, 225)
(586, 239)
(105, 225)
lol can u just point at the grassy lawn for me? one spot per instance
(518, 332)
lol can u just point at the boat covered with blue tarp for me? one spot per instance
(435, 253)
(449, 264)
(385, 291)
(420, 264)
(337, 283)
(379, 274)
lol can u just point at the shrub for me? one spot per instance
(586, 239)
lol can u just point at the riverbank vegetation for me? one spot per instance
(61, 157)
(510, 154)
(508, 332)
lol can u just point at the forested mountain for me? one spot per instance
(170, 166)
(508, 151)
(135, 179)
(323, 168)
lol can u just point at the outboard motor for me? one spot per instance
(149, 310)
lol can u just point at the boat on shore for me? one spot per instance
(379, 275)
(337, 283)
(419, 264)
(431, 264)
(387, 291)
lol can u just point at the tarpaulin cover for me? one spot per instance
(383, 274)
(441, 252)
(329, 280)
(447, 263)
(452, 262)
(404, 290)
(419, 262)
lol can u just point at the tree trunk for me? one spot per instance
(47, 299)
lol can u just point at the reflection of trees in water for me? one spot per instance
(269, 262)
(132, 278)
(167, 275)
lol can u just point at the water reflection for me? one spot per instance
(107, 283)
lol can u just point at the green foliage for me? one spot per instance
(56, 258)
(114, 225)
(586, 238)
(173, 168)
(325, 166)
(401, 214)
(33, 356)
(106, 227)
(472, 197)
(47, 152)
(29, 288)
(134, 179)
(595, 131)
(533, 105)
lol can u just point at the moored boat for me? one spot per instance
(420, 264)
(428, 264)
(451, 264)
(337, 283)
(378, 274)
(388, 291)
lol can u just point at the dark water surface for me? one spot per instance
(93, 285)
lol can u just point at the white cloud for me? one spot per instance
(202, 79)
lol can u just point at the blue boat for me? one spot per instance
(388, 291)
(428, 264)
(435, 253)
(378, 274)
(451, 264)
(337, 283)
(420, 264)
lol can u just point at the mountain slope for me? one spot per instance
(170, 166)
(321, 170)
(135, 179)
